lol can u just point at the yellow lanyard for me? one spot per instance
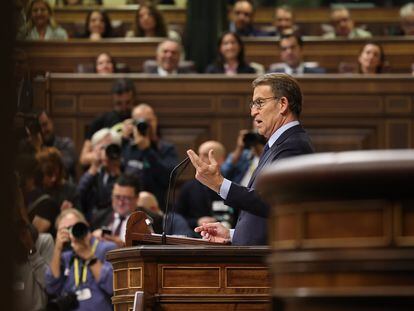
(85, 267)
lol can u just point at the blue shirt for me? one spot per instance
(101, 290)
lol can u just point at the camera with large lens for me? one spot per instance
(113, 152)
(251, 139)
(68, 301)
(142, 126)
(79, 230)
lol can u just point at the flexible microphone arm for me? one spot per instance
(172, 175)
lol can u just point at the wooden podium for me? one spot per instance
(190, 275)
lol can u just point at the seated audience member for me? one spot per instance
(95, 185)
(283, 21)
(290, 46)
(168, 56)
(242, 16)
(53, 179)
(41, 208)
(22, 81)
(40, 22)
(104, 64)
(145, 154)
(230, 56)
(124, 199)
(64, 144)
(97, 26)
(371, 58)
(33, 252)
(123, 98)
(197, 203)
(241, 163)
(175, 225)
(407, 19)
(149, 22)
(344, 25)
(81, 270)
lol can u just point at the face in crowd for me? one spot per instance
(124, 199)
(46, 127)
(370, 58)
(146, 19)
(341, 20)
(230, 47)
(104, 64)
(283, 20)
(40, 14)
(168, 55)
(242, 14)
(96, 23)
(290, 51)
(147, 113)
(123, 102)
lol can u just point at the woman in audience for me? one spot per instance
(230, 56)
(98, 25)
(104, 64)
(371, 58)
(149, 22)
(40, 22)
(53, 182)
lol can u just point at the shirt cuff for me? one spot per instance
(225, 188)
(231, 234)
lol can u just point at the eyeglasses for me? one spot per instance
(122, 198)
(259, 103)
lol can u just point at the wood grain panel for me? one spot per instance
(190, 277)
(251, 277)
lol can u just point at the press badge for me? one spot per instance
(66, 272)
(84, 294)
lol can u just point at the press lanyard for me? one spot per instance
(85, 267)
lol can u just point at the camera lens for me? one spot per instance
(113, 152)
(142, 126)
(79, 230)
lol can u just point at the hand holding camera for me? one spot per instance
(80, 240)
(141, 134)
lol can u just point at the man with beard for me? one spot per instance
(64, 144)
(123, 97)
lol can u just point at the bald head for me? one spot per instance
(218, 149)
(148, 201)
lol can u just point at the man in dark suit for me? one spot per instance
(276, 107)
(290, 46)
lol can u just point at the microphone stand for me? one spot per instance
(174, 176)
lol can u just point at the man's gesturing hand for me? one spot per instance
(208, 173)
(214, 232)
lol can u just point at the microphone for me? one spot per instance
(173, 176)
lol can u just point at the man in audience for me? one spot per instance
(241, 163)
(175, 225)
(168, 57)
(124, 198)
(407, 19)
(80, 271)
(145, 154)
(123, 98)
(290, 46)
(197, 203)
(64, 144)
(242, 16)
(344, 25)
(95, 185)
(283, 21)
(276, 107)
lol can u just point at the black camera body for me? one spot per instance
(66, 302)
(113, 152)
(251, 139)
(142, 126)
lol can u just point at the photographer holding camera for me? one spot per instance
(145, 154)
(95, 185)
(241, 163)
(79, 276)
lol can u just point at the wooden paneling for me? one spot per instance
(339, 112)
(64, 56)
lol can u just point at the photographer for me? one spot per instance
(79, 275)
(95, 185)
(241, 163)
(145, 154)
